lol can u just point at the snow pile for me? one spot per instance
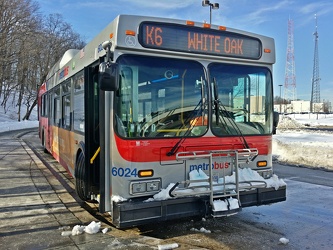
(198, 175)
(284, 241)
(248, 175)
(201, 230)
(117, 198)
(92, 228)
(275, 182)
(162, 195)
(313, 120)
(10, 125)
(77, 230)
(225, 205)
(168, 246)
(303, 148)
(245, 175)
(287, 122)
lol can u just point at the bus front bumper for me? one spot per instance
(135, 213)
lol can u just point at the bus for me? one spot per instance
(159, 119)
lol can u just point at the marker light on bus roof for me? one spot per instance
(111, 35)
(130, 32)
(223, 28)
(206, 25)
(267, 50)
(189, 23)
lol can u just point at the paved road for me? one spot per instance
(35, 207)
(303, 174)
(37, 203)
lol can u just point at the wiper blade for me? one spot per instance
(216, 101)
(220, 108)
(202, 104)
(183, 137)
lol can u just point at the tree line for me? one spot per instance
(30, 44)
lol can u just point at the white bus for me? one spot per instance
(159, 119)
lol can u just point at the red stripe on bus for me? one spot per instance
(155, 150)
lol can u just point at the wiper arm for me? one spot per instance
(183, 137)
(220, 107)
(216, 101)
(202, 105)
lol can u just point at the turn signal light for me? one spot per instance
(262, 164)
(146, 173)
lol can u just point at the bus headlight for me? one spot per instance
(138, 187)
(148, 186)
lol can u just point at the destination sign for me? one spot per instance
(198, 40)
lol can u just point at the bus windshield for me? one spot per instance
(242, 99)
(160, 97)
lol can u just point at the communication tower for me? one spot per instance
(290, 74)
(315, 93)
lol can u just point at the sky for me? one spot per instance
(270, 18)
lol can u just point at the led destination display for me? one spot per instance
(198, 40)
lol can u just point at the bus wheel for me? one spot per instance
(80, 178)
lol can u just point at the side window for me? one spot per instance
(66, 105)
(57, 107)
(44, 108)
(78, 102)
(66, 112)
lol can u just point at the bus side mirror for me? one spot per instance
(276, 117)
(108, 77)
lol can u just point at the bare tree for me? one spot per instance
(53, 40)
(29, 45)
(16, 23)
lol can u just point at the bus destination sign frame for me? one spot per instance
(191, 39)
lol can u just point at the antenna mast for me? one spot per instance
(315, 93)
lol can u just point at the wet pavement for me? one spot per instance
(35, 208)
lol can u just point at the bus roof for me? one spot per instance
(130, 32)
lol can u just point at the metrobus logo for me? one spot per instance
(204, 166)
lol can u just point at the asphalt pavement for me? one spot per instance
(36, 210)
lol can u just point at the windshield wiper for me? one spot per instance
(216, 101)
(220, 108)
(187, 132)
(201, 104)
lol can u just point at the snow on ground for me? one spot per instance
(295, 144)
(12, 125)
(9, 117)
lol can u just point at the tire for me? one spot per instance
(80, 184)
